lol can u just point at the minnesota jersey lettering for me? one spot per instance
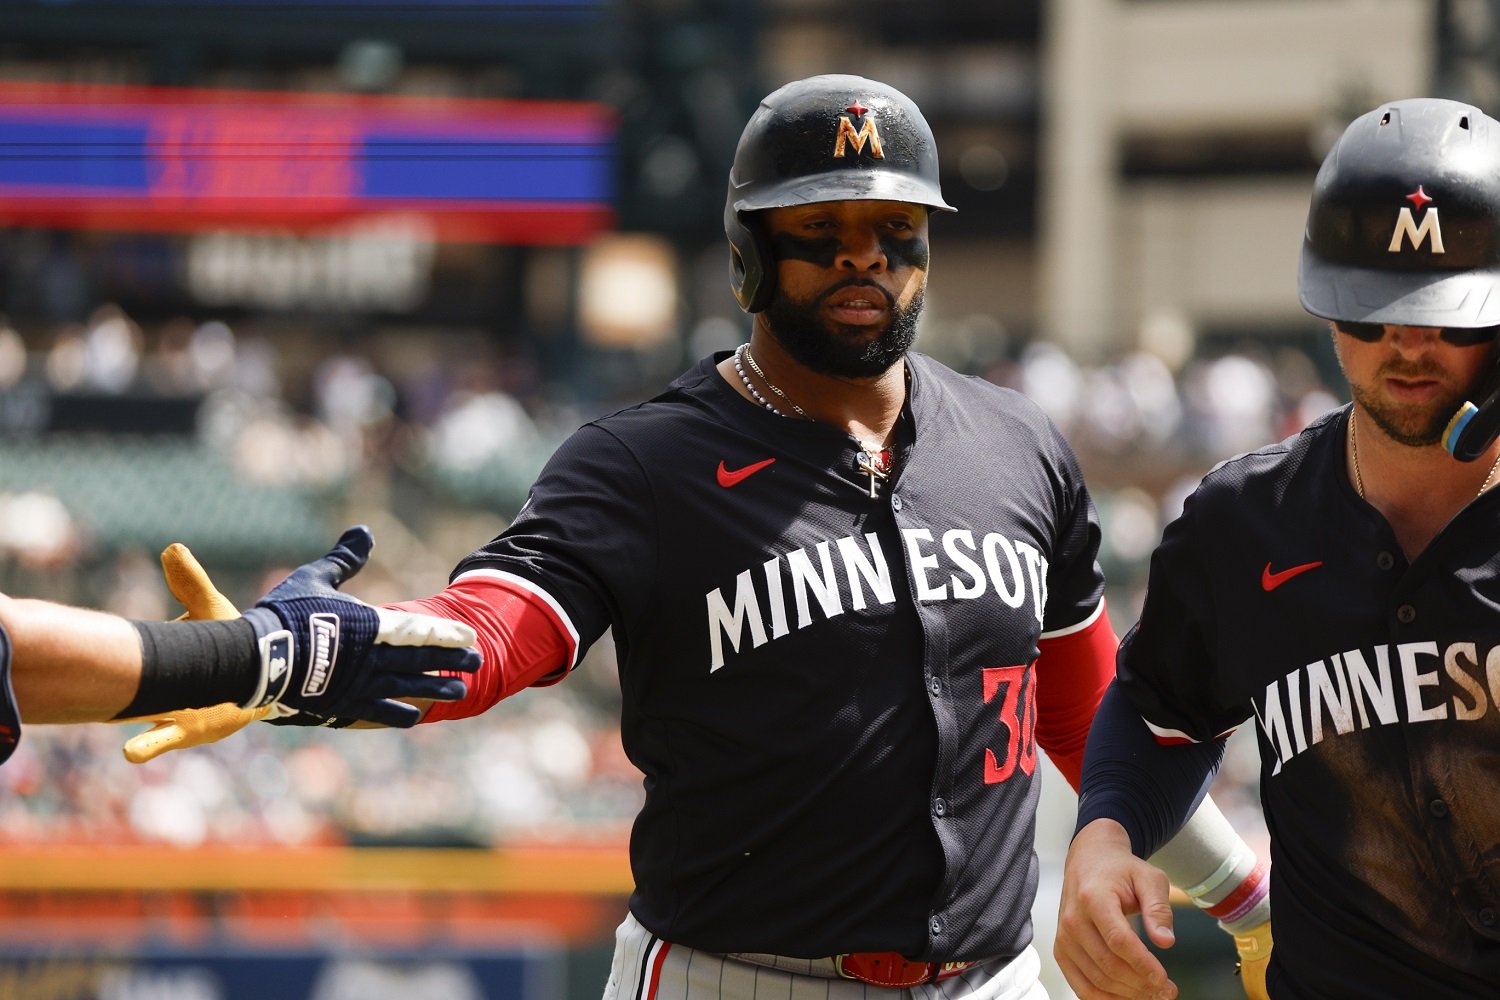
(943, 569)
(1406, 683)
(924, 606)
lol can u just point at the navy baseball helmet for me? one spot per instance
(826, 138)
(1404, 225)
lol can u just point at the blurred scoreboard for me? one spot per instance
(527, 10)
(168, 160)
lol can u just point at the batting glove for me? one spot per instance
(1254, 947)
(190, 727)
(329, 654)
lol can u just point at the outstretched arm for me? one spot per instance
(520, 636)
(304, 646)
(69, 664)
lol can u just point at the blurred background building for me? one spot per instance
(270, 268)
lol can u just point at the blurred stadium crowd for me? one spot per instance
(436, 458)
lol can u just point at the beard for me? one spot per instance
(838, 350)
(1414, 426)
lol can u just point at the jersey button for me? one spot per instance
(895, 503)
(1438, 808)
(1385, 560)
(935, 686)
(1406, 614)
(935, 925)
(939, 807)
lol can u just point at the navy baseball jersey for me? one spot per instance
(832, 696)
(10, 717)
(1280, 595)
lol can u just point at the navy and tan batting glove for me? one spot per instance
(329, 654)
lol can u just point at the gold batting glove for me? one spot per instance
(1254, 947)
(189, 583)
(190, 727)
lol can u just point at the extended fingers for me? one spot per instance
(353, 549)
(388, 662)
(407, 628)
(399, 682)
(394, 714)
(329, 572)
(347, 557)
(189, 727)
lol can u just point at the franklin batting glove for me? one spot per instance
(1254, 947)
(326, 653)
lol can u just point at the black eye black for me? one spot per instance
(1368, 332)
(1469, 337)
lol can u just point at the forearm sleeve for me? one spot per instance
(519, 635)
(1219, 872)
(1073, 670)
(1129, 777)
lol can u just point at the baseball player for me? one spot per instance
(304, 646)
(1340, 588)
(851, 591)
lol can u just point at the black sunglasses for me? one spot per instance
(1458, 336)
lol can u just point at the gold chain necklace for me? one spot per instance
(875, 461)
(1359, 481)
(750, 360)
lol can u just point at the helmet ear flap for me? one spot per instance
(751, 271)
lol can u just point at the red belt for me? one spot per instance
(886, 968)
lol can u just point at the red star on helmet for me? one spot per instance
(1418, 198)
(857, 108)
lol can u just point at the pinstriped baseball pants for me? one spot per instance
(648, 968)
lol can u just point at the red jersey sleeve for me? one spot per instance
(1072, 671)
(524, 639)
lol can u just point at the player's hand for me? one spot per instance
(190, 727)
(1254, 947)
(326, 653)
(1097, 947)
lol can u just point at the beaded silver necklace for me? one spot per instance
(876, 462)
(744, 350)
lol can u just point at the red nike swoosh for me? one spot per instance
(1270, 581)
(728, 478)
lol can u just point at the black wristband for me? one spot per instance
(194, 664)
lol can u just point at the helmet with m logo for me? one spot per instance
(1404, 229)
(826, 138)
(1404, 225)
